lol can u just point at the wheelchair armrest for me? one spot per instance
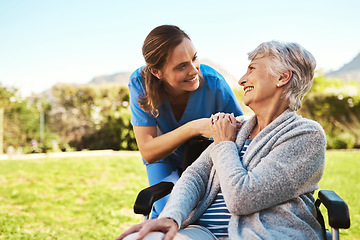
(338, 211)
(148, 196)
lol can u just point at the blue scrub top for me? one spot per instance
(213, 96)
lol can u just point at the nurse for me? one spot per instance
(172, 99)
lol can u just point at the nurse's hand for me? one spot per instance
(201, 127)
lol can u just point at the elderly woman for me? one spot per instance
(264, 175)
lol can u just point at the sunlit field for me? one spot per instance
(92, 197)
(69, 198)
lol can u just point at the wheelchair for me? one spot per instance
(337, 209)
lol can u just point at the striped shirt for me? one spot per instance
(216, 217)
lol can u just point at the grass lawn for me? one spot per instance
(343, 176)
(69, 198)
(92, 197)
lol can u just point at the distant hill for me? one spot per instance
(350, 71)
(122, 78)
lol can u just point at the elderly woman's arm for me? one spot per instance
(189, 189)
(292, 167)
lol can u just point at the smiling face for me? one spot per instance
(259, 85)
(181, 71)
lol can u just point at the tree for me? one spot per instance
(93, 117)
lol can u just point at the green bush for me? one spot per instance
(340, 120)
(23, 132)
(93, 117)
(344, 140)
(116, 133)
(335, 104)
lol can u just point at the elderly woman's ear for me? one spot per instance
(284, 78)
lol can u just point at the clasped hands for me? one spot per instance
(224, 127)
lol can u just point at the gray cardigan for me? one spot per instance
(269, 193)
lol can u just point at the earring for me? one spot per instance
(278, 85)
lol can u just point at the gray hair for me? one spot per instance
(293, 57)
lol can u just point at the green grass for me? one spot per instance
(92, 197)
(342, 175)
(72, 198)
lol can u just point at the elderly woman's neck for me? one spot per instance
(266, 115)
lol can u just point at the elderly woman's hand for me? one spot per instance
(223, 127)
(165, 225)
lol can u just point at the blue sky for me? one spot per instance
(46, 42)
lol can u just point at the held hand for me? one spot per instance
(202, 127)
(165, 225)
(223, 127)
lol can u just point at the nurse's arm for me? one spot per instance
(154, 148)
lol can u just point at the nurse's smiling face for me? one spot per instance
(181, 71)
